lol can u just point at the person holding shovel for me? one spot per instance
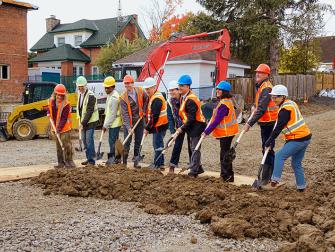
(158, 121)
(134, 103)
(113, 119)
(88, 115)
(265, 111)
(296, 134)
(224, 127)
(59, 111)
(177, 123)
(193, 121)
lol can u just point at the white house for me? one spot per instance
(200, 66)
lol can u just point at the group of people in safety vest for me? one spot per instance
(145, 110)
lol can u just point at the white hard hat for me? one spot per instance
(279, 90)
(149, 82)
(173, 85)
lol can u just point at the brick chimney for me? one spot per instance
(52, 22)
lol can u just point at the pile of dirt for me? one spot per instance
(305, 220)
(317, 105)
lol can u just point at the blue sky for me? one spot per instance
(73, 10)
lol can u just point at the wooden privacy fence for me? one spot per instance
(299, 86)
(324, 81)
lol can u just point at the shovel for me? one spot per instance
(195, 154)
(169, 143)
(264, 172)
(80, 139)
(120, 145)
(100, 154)
(58, 137)
(139, 151)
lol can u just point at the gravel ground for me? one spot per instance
(60, 223)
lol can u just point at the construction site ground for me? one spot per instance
(121, 209)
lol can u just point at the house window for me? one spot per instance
(74, 71)
(95, 70)
(60, 41)
(4, 72)
(78, 39)
(80, 71)
(132, 72)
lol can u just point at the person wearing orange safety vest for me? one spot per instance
(265, 112)
(224, 127)
(193, 120)
(158, 121)
(296, 134)
(59, 111)
(133, 102)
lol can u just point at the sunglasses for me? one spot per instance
(276, 96)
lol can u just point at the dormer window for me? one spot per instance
(60, 41)
(78, 39)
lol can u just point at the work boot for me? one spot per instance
(111, 159)
(192, 174)
(70, 164)
(228, 179)
(136, 162)
(200, 170)
(59, 165)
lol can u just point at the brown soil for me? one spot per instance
(235, 212)
(305, 221)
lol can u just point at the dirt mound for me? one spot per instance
(306, 220)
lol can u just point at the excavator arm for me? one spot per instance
(188, 45)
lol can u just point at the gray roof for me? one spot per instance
(62, 53)
(82, 24)
(104, 31)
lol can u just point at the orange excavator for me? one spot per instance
(155, 63)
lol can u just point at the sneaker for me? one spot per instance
(192, 174)
(84, 163)
(301, 190)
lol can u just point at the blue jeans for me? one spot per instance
(113, 135)
(296, 150)
(158, 142)
(88, 140)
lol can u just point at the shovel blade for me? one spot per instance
(264, 176)
(119, 147)
(230, 156)
(100, 155)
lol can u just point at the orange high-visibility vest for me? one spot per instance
(182, 113)
(139, 92)
(163, 118)
(61, 106)
(228, 126)
(271, 112)
(296, 127)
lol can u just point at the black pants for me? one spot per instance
(138, 132)
(265, 134)
(226, 168)
(178, 145)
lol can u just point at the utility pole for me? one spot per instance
(119, 16)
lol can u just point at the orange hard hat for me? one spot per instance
(128, 79)
(263, 68)
(60, 89)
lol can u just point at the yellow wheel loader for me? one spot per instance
(30, 119)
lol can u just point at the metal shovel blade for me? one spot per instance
(99, 154)
(264, 176)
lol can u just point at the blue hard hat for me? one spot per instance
(185, 80)
(224, 85)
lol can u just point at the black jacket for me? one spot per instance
(156, 107)
(263, 103)
(192, 127)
